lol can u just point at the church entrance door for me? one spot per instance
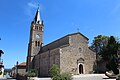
(80, 69)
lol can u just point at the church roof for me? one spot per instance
(78, 33)
(60, 42)
(37, 17)
(74, 34)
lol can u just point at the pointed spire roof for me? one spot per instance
(37, 19)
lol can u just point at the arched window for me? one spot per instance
(36, 27)
(41, 28)
(36, 43)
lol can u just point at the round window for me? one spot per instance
(80, 49)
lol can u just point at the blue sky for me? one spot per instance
(61, 17)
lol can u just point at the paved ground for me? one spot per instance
(7, 79)
(79, 77)
(84, 77)
(91, 77)
(87, 77)
(7, 76)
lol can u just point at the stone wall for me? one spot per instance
(70, 55)
(22, 71)
(90, 58)
(37, 62)
(45, 60)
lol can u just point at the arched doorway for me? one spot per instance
(80, 69)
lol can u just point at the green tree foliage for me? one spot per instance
(109, 53)
(32, 73)
(99, 42)
(107, 48)
(64, 76)
(55, 74)
(54, 70)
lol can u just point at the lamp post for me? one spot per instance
(1, 52)
(1, 63)
(17, 70)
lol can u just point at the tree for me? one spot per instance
(109, 53)
(106, 48)
(110, 50)
(55, 74)
(32, 73)
(54, 70)
(99, 42)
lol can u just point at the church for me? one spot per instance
(71, 52)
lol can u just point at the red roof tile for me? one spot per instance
(22, 64)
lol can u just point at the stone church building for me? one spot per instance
(71, 52)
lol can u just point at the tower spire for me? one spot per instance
(37, 18)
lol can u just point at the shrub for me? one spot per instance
(55, 74)
(54, 70)
(32, 73)
(0, 72)
(66, 76)
(57, 77)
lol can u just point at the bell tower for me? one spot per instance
(36, 39)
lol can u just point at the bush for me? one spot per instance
(57, 77)
(55, 74)
(63, 76)
(32, 73)
(66, 76)
(54, 70)
(0, 72)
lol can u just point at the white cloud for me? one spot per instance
(30, 9)
(115, 9)
(33, 5)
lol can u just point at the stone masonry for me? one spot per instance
(68, 53)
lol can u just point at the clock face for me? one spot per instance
(37, 36)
